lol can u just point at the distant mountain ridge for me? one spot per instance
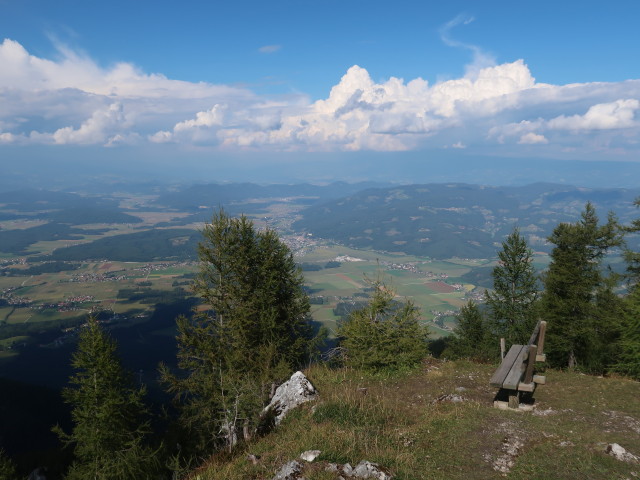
(439, 220)
(457, 220)
(214, 195)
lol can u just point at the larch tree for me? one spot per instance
(384, 334)
(254, 332)
(106, 411)
(512, 303)
(578, 300)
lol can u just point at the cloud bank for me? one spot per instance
(73, 100)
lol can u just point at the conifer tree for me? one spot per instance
(7, 468)
(629, 360)
(512, 303)
(472, 338)
(107, 433)
(384, 333)
(578, 301)
(633, 258)
(255, 332)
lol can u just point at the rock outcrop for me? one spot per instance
(292, 393)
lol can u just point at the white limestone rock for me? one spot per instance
(620, 453)
(310, 455)
(292, 393)
(371, 470)
(289, 471)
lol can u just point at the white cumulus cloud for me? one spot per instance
(73, 100)
(97, 129)
(532, 139)
(603, 116)
(362, 114)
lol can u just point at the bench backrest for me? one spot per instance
(537, 337)
(517, 365)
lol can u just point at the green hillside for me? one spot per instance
(145, 246)
(455, 220)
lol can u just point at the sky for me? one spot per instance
(318, 90)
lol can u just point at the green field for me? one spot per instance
(101, 285)
(353, 275)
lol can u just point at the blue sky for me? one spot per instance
(233, 86)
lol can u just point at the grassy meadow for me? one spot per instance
(411, 426)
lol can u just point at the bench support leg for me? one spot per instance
(514, 400)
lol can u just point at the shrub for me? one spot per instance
(383, 334)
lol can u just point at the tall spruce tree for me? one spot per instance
(106, 410)
(512, 312)
(255, 332)
(578, 301)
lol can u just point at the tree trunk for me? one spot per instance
(572, 360)
(246, 431)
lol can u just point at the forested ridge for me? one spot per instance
(455, 220)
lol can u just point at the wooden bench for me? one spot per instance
(515, 374)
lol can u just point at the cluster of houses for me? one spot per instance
(12, 299)
(68, 304)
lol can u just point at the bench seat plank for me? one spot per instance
(510, 358)
(513, 378)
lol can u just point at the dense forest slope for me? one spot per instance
(456, 220)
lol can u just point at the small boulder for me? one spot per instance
(310, 455)
(38, 474)
(295, 391)
(367, 469)
(289, 471)
(451, 397)
(620, 453)
(332, 467)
